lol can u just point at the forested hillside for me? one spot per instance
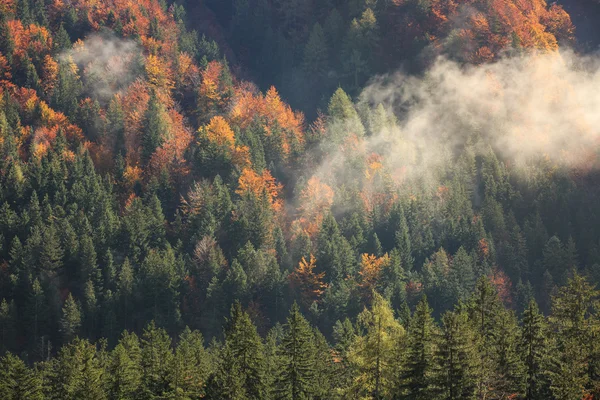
(427, 227)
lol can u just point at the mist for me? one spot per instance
(107, 64)
(538, 106)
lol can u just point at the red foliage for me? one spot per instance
(503, 286)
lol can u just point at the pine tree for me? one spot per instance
(403, 240)
(461, 277)
(418, 375)
(191, 365)
(575, 324)
(316, 54)
(484, 309)
(156, 362)
(77, 372)
(457, 358)
(17, 382)
(8, 323)
(325, 371)
(71, 319)
(51, 257)
(535, 348)
(124, 368)
(226, 382)
(245, 345)
(510, 374)
(295, 379)
(155, 127)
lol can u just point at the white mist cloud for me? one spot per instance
(542, 106)
(537, 105)
(107, 64)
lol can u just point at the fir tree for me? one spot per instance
(535, 348)
(17, 381)
(295, 380)
(418, 375)
(456, 374)
(71, 319)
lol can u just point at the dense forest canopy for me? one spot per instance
(426, 227)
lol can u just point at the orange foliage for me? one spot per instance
(211, 93)
(4, 68)
(42, 139)
(503, 286)
(490, 27)
(170, 155)
(134, 17)
(315, 200)
(272, 112)
(220, 133)
(258, 185)
(277, 112)
(7, 7)
(370, 271)
(309, 284)
(49, 122)
(49, 74)
(134, 103)
(33, 41)
(132, 175)
(186, 71)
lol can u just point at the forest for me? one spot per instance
(298, 199)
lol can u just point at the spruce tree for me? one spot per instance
(457, 358)
(535, 348)
(296, 374)
(191, 365)
(77, 372)
(155, 127)
(156, 362)
(71, 319)
(17, 381)
(124, 369)
(245, 345)
(418, 375)
(575, 324)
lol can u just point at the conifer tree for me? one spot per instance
(245, 345)
(124, 369)
(155, 127)
(71, 319)
(535, 348)
(77, 372)
(17, 381)
(373, 355)
(191, 365)
(418, 375)
(574, 321)
(457, 358)
(295, 379)
(156, 362)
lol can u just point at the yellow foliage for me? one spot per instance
(309, 284)
(157, 72)
(219, 132)
(370, 271)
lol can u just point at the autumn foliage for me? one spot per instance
(253, 184)
(370, 272)
(307, 283)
